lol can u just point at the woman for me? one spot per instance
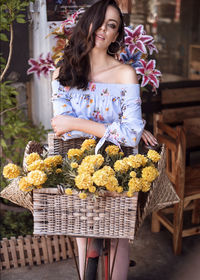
(94, 94)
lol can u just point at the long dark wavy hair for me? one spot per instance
(75, 68)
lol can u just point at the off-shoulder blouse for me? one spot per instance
(117, 106)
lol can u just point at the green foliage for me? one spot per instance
(15, 224)
(11, 10)
(16, 128)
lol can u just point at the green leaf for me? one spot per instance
(20, 20)
(3, 143)
(3, 37)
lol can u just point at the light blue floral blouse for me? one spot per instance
(118, 106)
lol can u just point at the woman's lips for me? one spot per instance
(100, 37)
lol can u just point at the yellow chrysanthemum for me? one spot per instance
(134, 185)
(129, 194)
(83, 181)
(88, 144)
(141, 159)
(36, 177)
(90, 163)
(92, 189)
(11, 171)
(112, 150)
(108, 170)
(149, 173)
(83, 195)
(136, 161)
(74, 165)
(119, 189)
(121, 166)
(68, 191)
(53, 161)
(74, 153)
(100, 178)
(58, 170)
(145, 185)
(36, 165)
(24, 185)
(133, 174)
(153, 155)
(31, 158)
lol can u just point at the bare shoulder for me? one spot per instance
(127, 75)
(55, 74)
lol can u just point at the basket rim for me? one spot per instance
(106, 194)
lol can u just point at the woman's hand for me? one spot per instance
(148, 138)
(62, 124)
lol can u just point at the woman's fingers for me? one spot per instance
(148, 138)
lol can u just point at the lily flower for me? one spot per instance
(131, 59)
(149, 73)
(41, 66)
(150, 45)
(136, 39)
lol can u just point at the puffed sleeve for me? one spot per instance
(61, 100)
(126, 131)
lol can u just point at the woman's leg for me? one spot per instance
(121, 265)
(81, 242)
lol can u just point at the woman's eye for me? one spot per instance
(112, 25)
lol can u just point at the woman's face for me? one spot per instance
(108, 32)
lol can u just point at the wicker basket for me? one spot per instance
(105, 217)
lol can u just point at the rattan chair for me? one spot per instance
(186, 181)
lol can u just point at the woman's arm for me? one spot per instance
(63, 124)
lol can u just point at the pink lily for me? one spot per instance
(136, 39)
(150, 45)
(42, 65)
(149, 73)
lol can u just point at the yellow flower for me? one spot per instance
(52, 161)
(133, 174)
(145, 185)
(58, 170)
(112, 150)
(134, 185)
(83, 195)
(76, 153)
(141, 159)
(24, 185)
(136, 161)
(89, 163)
(110, 188)
(100, 177)
(36, 165)
(68, 191)
(153, 155)
(92, 189)
(11, 171)
(121, 154)
(149, 173)
(58, 159)
(121, 166)
(88, 144)
(39, 187)
(74, 165)
(119, 189)
(129, 194)
(36, 177)
(83, 181)
(31, 158)
(108, 170)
